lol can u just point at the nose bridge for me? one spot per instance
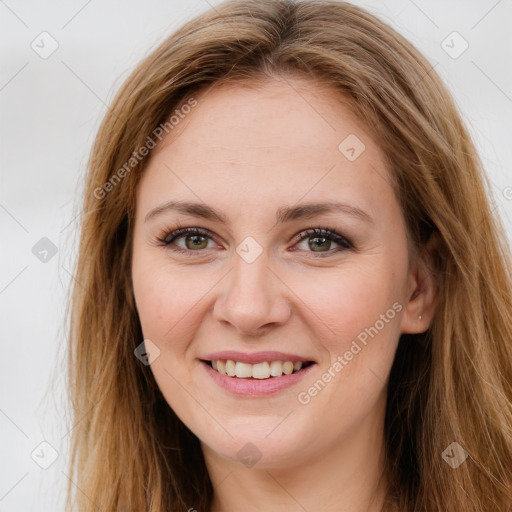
(252, 296)
(251, 279)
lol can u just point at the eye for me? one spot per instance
(194, 240)
(320, 240)
(191, 240)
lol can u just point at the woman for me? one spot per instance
(293, 292)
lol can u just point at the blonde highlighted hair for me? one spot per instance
(452, 383)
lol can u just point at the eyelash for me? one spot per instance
(167, 238)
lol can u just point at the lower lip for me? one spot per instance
(255, 387)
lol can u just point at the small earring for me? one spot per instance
(419, 317)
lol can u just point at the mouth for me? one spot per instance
(263, 370)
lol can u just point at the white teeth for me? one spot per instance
(287, 367)
(243, 370)
(230, 368)
(262, 370)
(276, 368)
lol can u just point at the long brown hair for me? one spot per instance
(452, 383)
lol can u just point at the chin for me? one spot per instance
(262, 444)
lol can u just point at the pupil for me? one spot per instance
(315, 245)
(196, 241)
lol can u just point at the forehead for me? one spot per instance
(282, 112)
(283, 138)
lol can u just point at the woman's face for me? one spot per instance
(256, 171)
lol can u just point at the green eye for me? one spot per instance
(319, 241)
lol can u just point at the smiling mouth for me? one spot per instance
(260, 371)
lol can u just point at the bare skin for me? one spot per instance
(248, 153)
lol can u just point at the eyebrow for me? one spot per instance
(283, 215)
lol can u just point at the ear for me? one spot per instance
(422, 298)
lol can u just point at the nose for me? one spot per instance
(254, 299)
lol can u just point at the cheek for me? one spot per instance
(343, 302)
(165, 300)
(356, 312)
(358, 344)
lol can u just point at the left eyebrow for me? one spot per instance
(283, 215)
(195, 209)
(308, 210)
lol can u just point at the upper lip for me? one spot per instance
(254, 357)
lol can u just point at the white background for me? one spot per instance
(50, 110)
